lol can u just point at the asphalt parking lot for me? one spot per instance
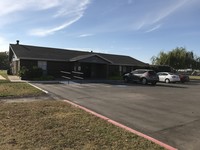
(167, 112)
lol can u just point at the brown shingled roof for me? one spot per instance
(55, 54)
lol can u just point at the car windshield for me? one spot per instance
(171, 73)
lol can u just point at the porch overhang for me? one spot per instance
(93, 58)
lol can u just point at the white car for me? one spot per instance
(168, 77)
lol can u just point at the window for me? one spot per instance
(124, 69)
(42, 65)
(164, 74)
(141, 71)
(151, 72)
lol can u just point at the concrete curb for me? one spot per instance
(38, 88)
(168, 147)
(45, 82)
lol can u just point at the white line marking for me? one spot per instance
(38, 88)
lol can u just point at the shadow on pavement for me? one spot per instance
(172, 85)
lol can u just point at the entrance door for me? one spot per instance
(94, 71)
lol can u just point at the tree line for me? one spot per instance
(4, 63)
(178, 58)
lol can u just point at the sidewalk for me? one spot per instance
(15, 78)
(2, 78)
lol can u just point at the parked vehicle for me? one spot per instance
(143, 76)
(184, 78)
(168, 77)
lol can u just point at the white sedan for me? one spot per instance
(168, 77)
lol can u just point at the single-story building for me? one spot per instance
(54, 60)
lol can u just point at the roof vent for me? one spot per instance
(17, 42)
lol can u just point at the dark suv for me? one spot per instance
(143, 76)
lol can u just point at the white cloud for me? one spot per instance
(85, 35)
(3, 44)
(139, 15)
(11, 6)
(62, 12)
(154, 28)
(156, 14)
(45, 32)
(71, 12)
(168, 10)
(72, 7)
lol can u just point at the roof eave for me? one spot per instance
(10, 47)
(117, 64)
(45, 59)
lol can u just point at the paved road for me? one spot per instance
(167, 112)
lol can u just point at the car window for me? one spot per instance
(152, 72)
(162, 74)
(134, 72)
(141, 71)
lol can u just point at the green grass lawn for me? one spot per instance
(58, 125)
(10, 89)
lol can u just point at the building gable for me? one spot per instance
(92, 58)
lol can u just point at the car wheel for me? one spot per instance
(153, 83)
(167, 81)
(144, 81)
(182, 81)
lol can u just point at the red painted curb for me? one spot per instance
(168, 147)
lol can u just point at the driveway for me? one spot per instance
(167, 112)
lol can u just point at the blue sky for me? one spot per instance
(138, 28)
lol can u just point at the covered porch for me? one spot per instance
(92, 66)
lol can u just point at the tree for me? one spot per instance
(197, 62)
(178, 58)
(161, 59)
(4, 63)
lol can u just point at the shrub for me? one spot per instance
(23, 72)
(36, 72)
(45, 78)
(31, 73)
